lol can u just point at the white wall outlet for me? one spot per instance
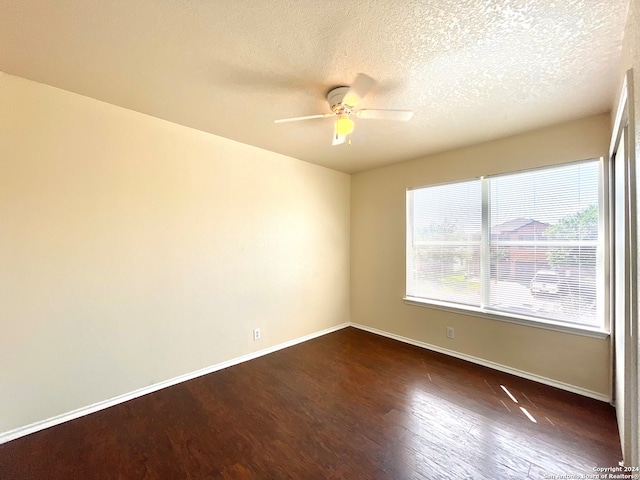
(450, 332)
(256, 334)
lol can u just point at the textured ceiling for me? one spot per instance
(472, 70)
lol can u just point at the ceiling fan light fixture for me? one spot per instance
(344, 125)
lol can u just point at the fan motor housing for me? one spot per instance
(335, 97)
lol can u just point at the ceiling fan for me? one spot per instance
(342, 102)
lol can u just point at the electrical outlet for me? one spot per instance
(256, 334)
(449, 332)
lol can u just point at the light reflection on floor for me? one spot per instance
(515, 400)
(434, 423)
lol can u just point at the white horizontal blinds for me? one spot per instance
(443, 244)
(543, 243)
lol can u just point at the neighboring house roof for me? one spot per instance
(515, 225)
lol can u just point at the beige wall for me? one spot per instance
(133, 250)
(378, 257)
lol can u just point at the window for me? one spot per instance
(525, 245)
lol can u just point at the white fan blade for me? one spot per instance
(361, 85)
(338, 139)
(308, 117)
(374, 114)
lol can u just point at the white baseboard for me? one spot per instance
(487, 363)
(80, 412)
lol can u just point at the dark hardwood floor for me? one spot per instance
(348, 405)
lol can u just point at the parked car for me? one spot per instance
(548, 282)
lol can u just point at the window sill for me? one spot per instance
(509, 318)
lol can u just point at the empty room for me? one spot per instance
(313, 240)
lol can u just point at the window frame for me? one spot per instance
(483, 312)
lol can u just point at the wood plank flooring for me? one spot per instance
(348, 405)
